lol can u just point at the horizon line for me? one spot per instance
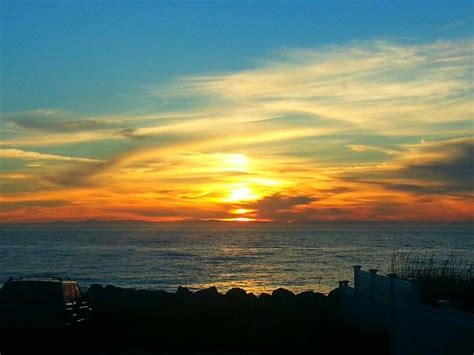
(223, 222)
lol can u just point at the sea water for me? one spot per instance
(257, 259)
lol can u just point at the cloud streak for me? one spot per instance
(28, 155)
(440, 167)
(369, 130)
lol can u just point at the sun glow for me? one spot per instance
(237, 159)
(243, 219)
(241, 194)
(241, 211)
(238, 219)
(236, 162)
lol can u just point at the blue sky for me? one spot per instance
(99, 56)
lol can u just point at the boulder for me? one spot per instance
(282, 295)
(334, 298)
(94, 294)
(94, 290)
(236, 293)
(264, 299)
(183, 292)
(310, 298)
(207, 294)
(252, 296)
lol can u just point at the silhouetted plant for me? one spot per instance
(438, 278)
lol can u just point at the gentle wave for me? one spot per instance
(258, 260)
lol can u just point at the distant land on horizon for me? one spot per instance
(96, 223)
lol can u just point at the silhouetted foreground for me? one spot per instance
(128, 321)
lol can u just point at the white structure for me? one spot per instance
(388, 305)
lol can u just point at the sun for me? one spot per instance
(243, 219)
(241, 194)
(238, 219)
(241, 211)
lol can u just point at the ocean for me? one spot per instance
(258, 259)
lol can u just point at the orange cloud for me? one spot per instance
(373, 131)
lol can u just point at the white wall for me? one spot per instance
(380, 304)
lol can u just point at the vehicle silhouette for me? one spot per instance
(41, 303)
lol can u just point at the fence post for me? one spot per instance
(391, 283)
(373, 273)
(356, 278)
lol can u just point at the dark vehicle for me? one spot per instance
(41, 303)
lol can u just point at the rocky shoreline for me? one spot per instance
(129, 321)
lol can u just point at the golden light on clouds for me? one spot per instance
(243, 219)
(240, 194)
(242, 211)
(236, 162)
(372, 130)
(239, 219)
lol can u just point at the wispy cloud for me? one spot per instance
(363, 131)
(21, 154)
(360, 148)
(51, 120)
(439, 167)
(365, 83)
(456, 24)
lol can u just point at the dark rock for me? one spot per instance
(148, 298)
(94, 293)
(334, 295)
(111, 288)
(183, 292)
(310, 297)
(264, 299)
(209, 293)
(251, 296)
(282, 295)
(334, 298)
(95, 288)
(264, 296)
(126, 319)
(236, 293)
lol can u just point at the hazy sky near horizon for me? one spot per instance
(266, 110)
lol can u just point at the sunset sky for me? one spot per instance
(236, 110)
